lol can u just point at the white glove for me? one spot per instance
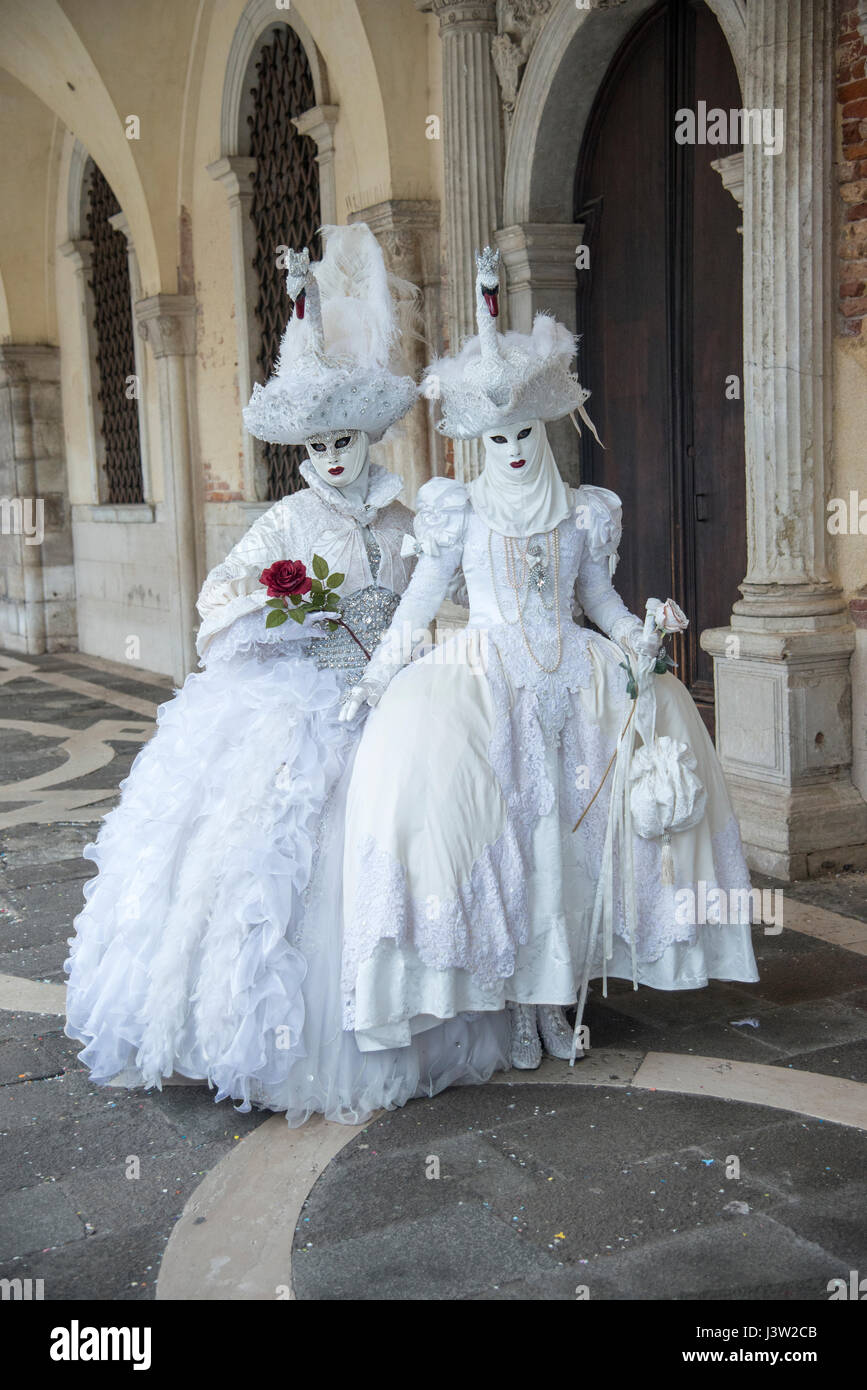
(645, 646)
(629, 634)
(370, 691)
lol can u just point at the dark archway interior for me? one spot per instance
(661, 317)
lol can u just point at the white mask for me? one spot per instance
(514, 454)
(519, 491)
(339, 456)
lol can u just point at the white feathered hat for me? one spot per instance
(333, 368)
(500, 379)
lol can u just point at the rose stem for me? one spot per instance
(341, 623)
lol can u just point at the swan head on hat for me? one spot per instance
(487, 286)
(303, 289)
(488, 371)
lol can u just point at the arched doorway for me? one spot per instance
(660, 311)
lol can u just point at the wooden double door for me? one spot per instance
(660, 314)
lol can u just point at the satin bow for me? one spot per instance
(411, 545)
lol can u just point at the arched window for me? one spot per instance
(284, 208)
(115, 345)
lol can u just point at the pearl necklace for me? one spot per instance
(511, 552)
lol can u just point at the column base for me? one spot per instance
(800, 832)
(784, 737)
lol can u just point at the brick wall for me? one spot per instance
(852, 170)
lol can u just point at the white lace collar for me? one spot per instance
(382, 488)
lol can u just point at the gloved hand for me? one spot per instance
(633, 640)
(367, 690)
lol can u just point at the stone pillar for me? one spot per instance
(37, 576)
(858, 610)
(408, 232)
(80, 255)
(539, 272)
(235, 172)
(782, 675)
(168, 323)
(319, 123)
(473, 162)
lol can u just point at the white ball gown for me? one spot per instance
(210, 942)
(465, 886)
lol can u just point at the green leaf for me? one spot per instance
(332, 601)
(275, 603)
(296, 599)
(297, 614)
(320, 567)
(335, 580)
(317, 586)
(332, 627)
(276, 617)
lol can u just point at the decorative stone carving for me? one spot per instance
(519, 23)
(731, 171)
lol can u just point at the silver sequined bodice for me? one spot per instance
(368, 612)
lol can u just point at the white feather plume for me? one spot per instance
(360, 304)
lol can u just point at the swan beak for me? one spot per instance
(299, 305)
(492, 299)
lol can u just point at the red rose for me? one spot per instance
(286, 577)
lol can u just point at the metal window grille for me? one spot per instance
(284, 206)
(115, 349)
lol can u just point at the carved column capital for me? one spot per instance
(168, 322)
(234, 172)
(479, 15)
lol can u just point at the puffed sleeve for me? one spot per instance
(599, 514)
(438, 540)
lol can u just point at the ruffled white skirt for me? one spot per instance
(210, 942)
(469, 848)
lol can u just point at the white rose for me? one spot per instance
(670, 618)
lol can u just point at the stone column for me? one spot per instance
(408, 232)
(168, 323)
(235, 172)
(37, 577)
(782, 669)
(319, 123)
(473, 162)
(80, 255)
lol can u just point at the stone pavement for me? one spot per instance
(547, 1182)
(68, 1212)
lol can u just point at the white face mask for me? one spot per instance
(339, 456)
(519, 492)
(514, 454)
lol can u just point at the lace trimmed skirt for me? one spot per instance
(211, 937)
(465, 885)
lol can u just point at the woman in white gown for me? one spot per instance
(465, 886)
(210, 942)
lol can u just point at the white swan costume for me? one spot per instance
(465, 886)
(210, 942)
